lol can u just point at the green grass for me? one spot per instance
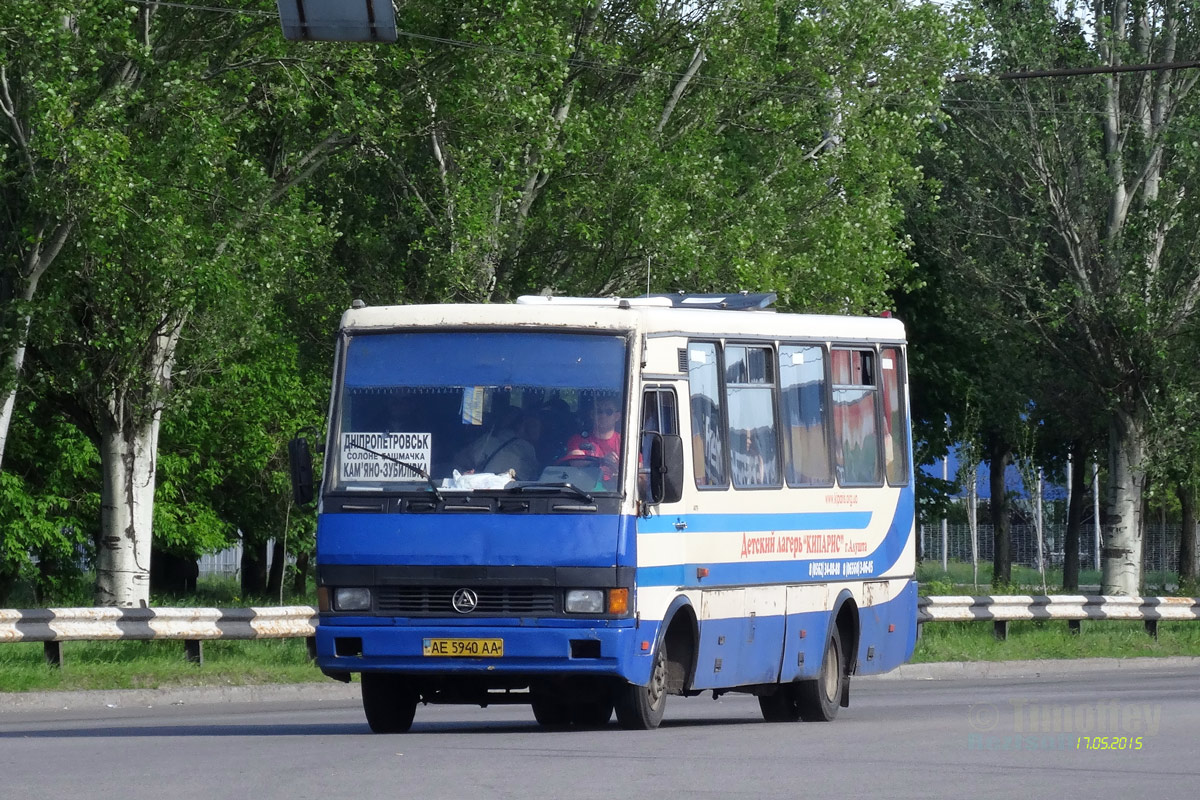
(958, 578)
(974, 641)
(153, 665)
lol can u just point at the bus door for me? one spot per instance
(662, 546)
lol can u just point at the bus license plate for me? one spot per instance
(463, 648)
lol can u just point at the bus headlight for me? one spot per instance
(585, 601)
(352, 599)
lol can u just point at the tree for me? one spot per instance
(1102, 166)
(579, 149)
(198, 127)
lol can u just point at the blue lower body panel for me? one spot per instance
(600, 649)
(888, 632)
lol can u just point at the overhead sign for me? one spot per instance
(337, 20)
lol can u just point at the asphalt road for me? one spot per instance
(979, 737)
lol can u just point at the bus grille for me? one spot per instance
(494, 601)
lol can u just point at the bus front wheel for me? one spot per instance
(818, 700)
(389, 702)
(640, 708)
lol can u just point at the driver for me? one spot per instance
(602, 442)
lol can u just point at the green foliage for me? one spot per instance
(49, 505)
(217, 184)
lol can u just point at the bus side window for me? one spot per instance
(750, 398)
(659, 413)
(895, 418)
(804, 415)
(708, 440)
(855, 434)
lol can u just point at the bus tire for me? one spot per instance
(550, 712)
(818, 700)
(592, 713)
(781, 706)
(389, 702)
(640, 708)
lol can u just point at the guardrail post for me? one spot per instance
(194, 650)
(1152, 628)
(1075, 626)
(54, 653)
(310, 644)
(1000, 629)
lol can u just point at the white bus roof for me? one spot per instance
(646, 315)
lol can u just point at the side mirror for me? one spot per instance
(665, 467)
(300, 461)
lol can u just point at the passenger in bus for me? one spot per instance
(602, 443)
(501, 449)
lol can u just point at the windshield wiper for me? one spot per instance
(422, 473)
(551, 487)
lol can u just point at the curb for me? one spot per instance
(331, 692)
(1044, 668)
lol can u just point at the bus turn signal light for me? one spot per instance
(618, 601)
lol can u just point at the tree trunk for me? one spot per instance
(1187, 538)
(1076, 507)
(999, 457)
(127, 458)
(128, 432)
(37, 262)
(1121, 557)
(8, 581)
(254, 567)
(278, 562)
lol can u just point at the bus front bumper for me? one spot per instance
(617, 648)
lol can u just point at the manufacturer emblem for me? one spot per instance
(464, 601)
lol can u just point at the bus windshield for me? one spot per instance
(468, 411)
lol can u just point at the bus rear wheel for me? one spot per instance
(389, 702)
(781, 706)
(818, 700)
(640, 708)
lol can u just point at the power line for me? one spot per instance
(1067, 72)
(248, 12)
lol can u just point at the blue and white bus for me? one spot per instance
(587, 505)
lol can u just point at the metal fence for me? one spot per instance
(1160, 545)
(228, 562)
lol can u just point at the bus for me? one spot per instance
(588, 505)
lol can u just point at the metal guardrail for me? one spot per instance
(193, 626)
(1002, 609)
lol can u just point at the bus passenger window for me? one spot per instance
(804, 415)
(895, 418)
(855, 434)
(708, 443)
(750, 392)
